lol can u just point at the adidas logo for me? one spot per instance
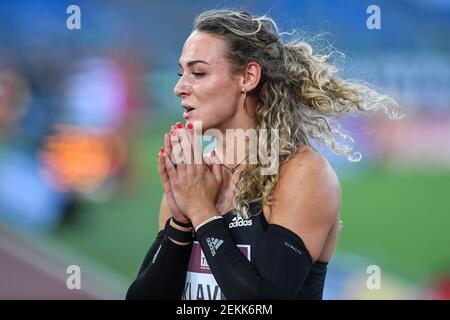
(238, 221)
(213, 244)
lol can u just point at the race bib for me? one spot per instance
(200, 282)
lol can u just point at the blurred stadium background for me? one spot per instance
(82, 113)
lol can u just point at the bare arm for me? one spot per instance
(307, 200)
(164, 212)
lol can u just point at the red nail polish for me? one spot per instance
(179, 125)
(161, 150)
(189, 126)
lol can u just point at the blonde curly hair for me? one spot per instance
(300, 94)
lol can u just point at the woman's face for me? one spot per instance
(206, 84)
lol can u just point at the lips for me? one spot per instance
(188, 110)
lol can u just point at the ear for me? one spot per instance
(251, 76)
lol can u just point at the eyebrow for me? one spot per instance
(191, 63)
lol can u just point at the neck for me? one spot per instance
(232, 145)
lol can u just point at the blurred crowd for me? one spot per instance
(64, 130)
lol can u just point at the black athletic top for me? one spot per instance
(171, 271)
(247, 233)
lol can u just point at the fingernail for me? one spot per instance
(189, 126)
(179, 125)
(161, 150)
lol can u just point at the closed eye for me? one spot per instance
(196, 74)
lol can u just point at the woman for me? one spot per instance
(226, 229)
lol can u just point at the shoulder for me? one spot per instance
(307, 198)
(311, 171)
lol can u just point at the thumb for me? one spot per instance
(216, 168)
(208, 160)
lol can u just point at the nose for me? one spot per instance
(182, 88)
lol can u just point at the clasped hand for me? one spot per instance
(191, 182)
